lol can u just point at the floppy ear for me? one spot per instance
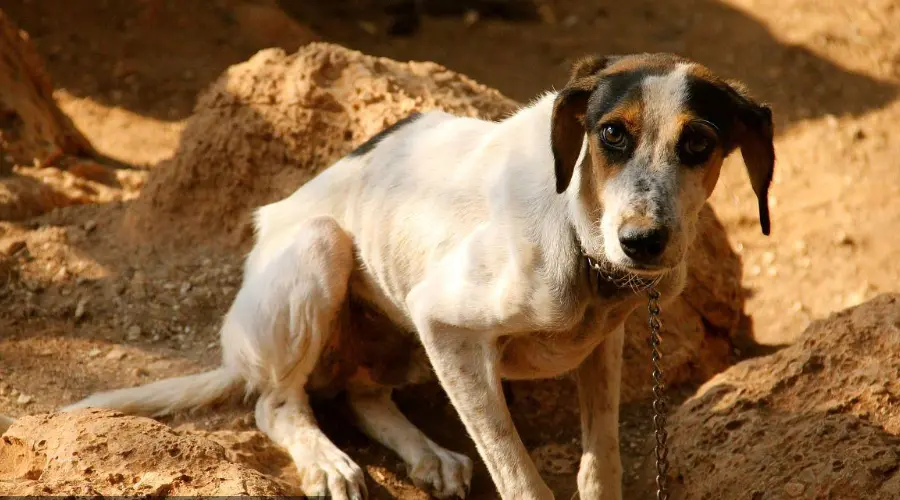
(567, 122)
(754, 134)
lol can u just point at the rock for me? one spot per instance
(92, 451)
(818, 419)
(39, 128)
(80, 308)
(117, 353)
(33, 130)
(10, 248)
(24, 399)
(134, 332)
(249, 143)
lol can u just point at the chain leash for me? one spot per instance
(660, 406)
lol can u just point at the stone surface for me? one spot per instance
(98, 452)
(818, 419)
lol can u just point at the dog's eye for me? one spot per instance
(613, 136)
(697, 144)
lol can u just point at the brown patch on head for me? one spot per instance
(646, 62)
(567, 122)
(712, 170)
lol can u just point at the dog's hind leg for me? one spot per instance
(433, 468)
(303, 293)
(325, 470)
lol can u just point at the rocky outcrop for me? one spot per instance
(45, 162)
(819, 419)
(97, 452)
(32, 127)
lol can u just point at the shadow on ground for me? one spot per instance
(155, 65)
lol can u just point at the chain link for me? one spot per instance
(660, 406)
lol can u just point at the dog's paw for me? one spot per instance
(330, 473)
(443, 473)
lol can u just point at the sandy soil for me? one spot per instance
(128, 74)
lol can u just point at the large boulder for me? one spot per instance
(818, 419)
(45, 161)
(32, 127)
(270, 124)
(98, 452)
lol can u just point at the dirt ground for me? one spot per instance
(128, 73)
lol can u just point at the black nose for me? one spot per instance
(643, 244)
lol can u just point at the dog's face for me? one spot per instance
(644, 137)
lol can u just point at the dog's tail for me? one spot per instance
(168, 395)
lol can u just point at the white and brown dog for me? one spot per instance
(461, 247)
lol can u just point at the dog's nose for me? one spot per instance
(643, 244)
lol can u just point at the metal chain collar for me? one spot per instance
(660, 405)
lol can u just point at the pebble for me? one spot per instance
(116, 354)
(80, 307)
(368, 27)
(842, 238)
(570, 21)
(61, 275)
(471, 17)
(794, 489)
(90, 225)
(134, 332)
(12, 247)
(24, 399)
(185, 287)
(94, 352)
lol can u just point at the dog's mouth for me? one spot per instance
(604, 275)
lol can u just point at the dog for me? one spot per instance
(477, 251)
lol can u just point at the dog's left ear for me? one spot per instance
(754, 134)
(567, 123)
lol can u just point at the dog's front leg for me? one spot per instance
(465, 361)
(599, 377)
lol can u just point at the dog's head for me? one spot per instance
(638, 143)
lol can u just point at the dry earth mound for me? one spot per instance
(268, 125)
(818, 419)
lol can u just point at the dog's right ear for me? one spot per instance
(567, 122)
